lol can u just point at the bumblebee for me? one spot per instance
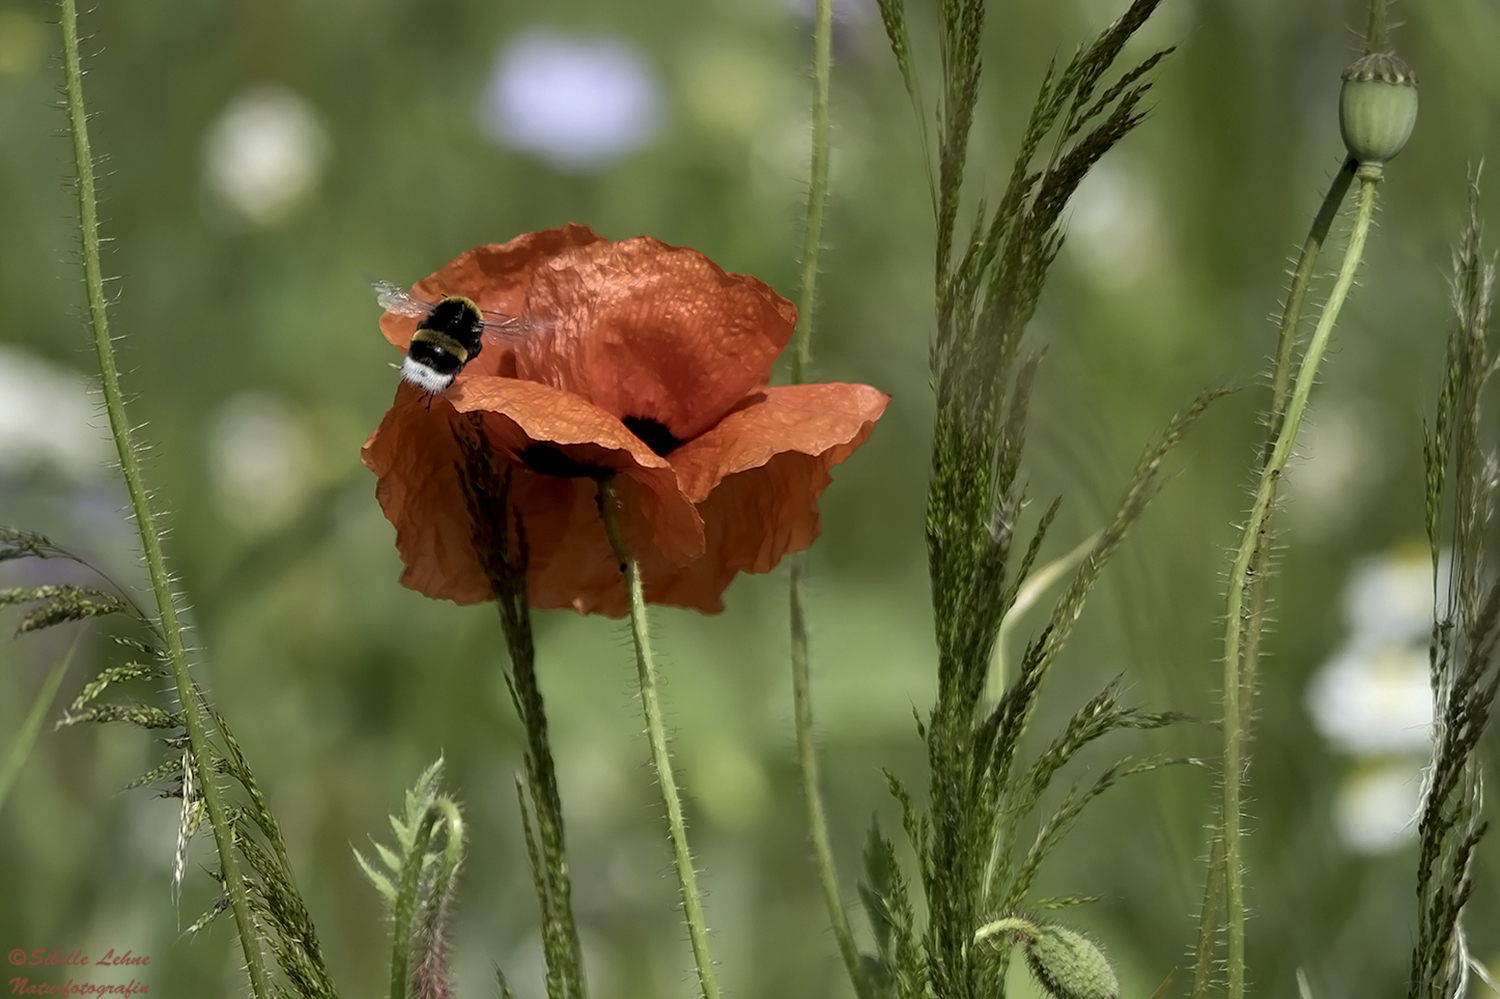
(449, 335)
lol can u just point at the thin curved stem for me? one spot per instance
(1281, 384)
(807, 754)
(817, 191)
(656, 733)
(812, 787)
(1253, 538)
(145, 520)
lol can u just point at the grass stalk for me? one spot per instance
(500, 542)
(25, 738)
(1253, 539)
(656, 733)
(807, 754)
(161, 586)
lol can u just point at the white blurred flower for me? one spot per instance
(1375, 695)
(1116, 230)
(1374, 698)
(1377, 806)
(1390, 598)
(577, 102)
(264, 154)
(48, 419)
(260, 461)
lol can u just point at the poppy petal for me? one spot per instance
(825, 421)
(497, 277)
(416, 455)
(522, 416)
(757, 477)
(654, 332)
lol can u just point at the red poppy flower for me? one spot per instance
(650, 363)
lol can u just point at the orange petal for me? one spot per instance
(416, 455)
(519, 414)
(497, 277)
(825, 421)
(648, 330)
(757, 477)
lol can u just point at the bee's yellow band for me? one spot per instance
(443, 341)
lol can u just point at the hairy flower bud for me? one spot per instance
(1377, 107)
(1069, 965)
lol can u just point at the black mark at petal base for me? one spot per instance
(549, 460)
(653, 434)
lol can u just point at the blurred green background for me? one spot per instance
(261, 158)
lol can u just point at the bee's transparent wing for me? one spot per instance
(507, 327)
(393, 298)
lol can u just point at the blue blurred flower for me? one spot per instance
(577, 102)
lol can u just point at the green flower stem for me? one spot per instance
(807, 754)
(1291, 315)
(656, 733)
(1252, 539)
(812, 793)
(145, 521)
(1281, 384)
(817, 193)
(1208, 914)
(1375, 36)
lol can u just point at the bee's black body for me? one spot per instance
(450, 333)
(448, 337)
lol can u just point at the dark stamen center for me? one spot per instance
(549, 460)
(653, 434)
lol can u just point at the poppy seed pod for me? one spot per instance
(1069, 965)
(1377, 107)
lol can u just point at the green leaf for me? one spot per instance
(20, 746)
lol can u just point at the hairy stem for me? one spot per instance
(817, 192)
(1281, 384)
(807, 755)
(1208, 915)
(1235, 722)
(1291, 313)
(656, 733)
(161, 586)
(1375, 36)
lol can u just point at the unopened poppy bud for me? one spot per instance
(1069, 965)
(1377, 107)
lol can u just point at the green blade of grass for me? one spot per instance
(20, 746)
